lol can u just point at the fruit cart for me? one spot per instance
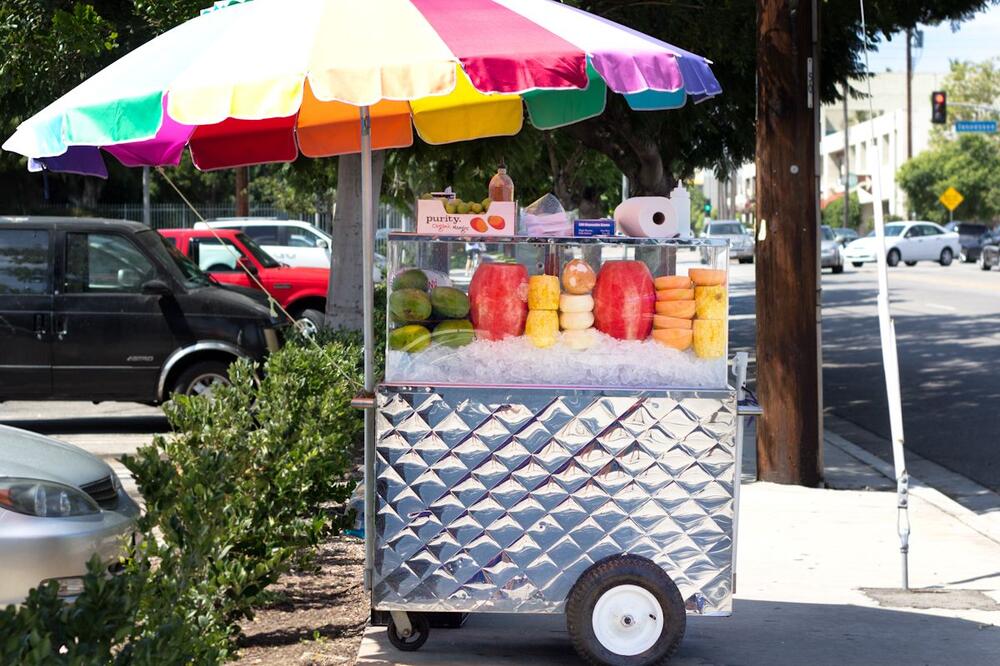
(564, 443)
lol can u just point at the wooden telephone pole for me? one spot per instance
(788, 361)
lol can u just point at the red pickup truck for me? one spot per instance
(225, 253)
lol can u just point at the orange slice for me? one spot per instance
(680, 309)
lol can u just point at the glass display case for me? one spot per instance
(610, 312)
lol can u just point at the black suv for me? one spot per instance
(96, 309)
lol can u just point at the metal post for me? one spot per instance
(909, 96)
(147, 215)
(624, 187)
(368, 300)
(847, 161)
(890, 360)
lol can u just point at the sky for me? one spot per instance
(976, 40)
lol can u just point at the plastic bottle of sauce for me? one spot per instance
(501, 186)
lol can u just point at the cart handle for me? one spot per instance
(363, 400)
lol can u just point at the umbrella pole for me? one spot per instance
(368, 300)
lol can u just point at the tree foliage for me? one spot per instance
(970, 164)
(833, 214)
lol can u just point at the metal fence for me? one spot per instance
(179, 216)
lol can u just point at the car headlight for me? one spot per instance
(44, 499)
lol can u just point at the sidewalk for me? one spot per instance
(816, 573)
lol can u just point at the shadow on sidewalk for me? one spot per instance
(759, 633)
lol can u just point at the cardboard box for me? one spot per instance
(499, 220)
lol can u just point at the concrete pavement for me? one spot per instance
(816, 573)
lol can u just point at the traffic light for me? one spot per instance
(708, 208)
(939, 107)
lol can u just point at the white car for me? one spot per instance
(908, 242)
(291, 242)
(741, 244)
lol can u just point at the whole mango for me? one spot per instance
(454, 333)
(411, 278)
(449, 303)
(409, 305)
(412, 338)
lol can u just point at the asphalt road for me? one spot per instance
(948, 333)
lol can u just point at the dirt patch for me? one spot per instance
(317, 617)
(925, 599)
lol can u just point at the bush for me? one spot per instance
(236, 497)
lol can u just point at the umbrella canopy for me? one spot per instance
(251, 82)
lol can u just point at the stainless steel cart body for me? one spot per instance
(497, 499)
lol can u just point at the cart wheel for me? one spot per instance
(625, 611)
(421, 630)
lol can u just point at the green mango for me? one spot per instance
(413, 338)
(412, 278)
(409, 305)
(454, 333)
(449, 303)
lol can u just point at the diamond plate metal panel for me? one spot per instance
(496, 500)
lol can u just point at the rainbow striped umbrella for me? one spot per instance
(251, 82)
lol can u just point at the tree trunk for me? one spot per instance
(344, 304)
(242, 191)
(788, 374)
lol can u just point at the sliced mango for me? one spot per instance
(675, 294)
(663, 321)
(709, 338)
(677, 338)
(707, 277)
(543, 292)
(542, 327)
(680, 309)
(710, 302)
(672, 282)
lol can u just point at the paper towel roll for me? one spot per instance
(647, 217)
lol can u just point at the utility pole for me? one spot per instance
(788, 361)
(242, 191)
(909, 95)
(847, 161)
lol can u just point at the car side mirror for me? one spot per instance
(129, 278)
(248, 267)
(321, 243)
(156, 288)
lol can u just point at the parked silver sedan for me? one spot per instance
(59, 505)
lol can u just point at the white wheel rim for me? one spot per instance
(307, 327)
(204, 385)
(627, 620)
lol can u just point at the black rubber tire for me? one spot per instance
(421, 631)
(910, 263)
(892, 259)
(745, 260)
(610, 573)
(314, 317)
(189, 378)
(983, 266)
(857, 264)
(947, 256)
(838, 269)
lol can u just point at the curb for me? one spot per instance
(919, 489)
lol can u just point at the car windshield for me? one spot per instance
(266, 260)
(168, 254)
(827, 233)
(726, 229)
(890, 230)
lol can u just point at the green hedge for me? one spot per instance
(240, 493)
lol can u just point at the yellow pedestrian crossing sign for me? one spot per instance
(951, 198)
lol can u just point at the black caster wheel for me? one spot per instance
(421, 629)
(625, 611)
